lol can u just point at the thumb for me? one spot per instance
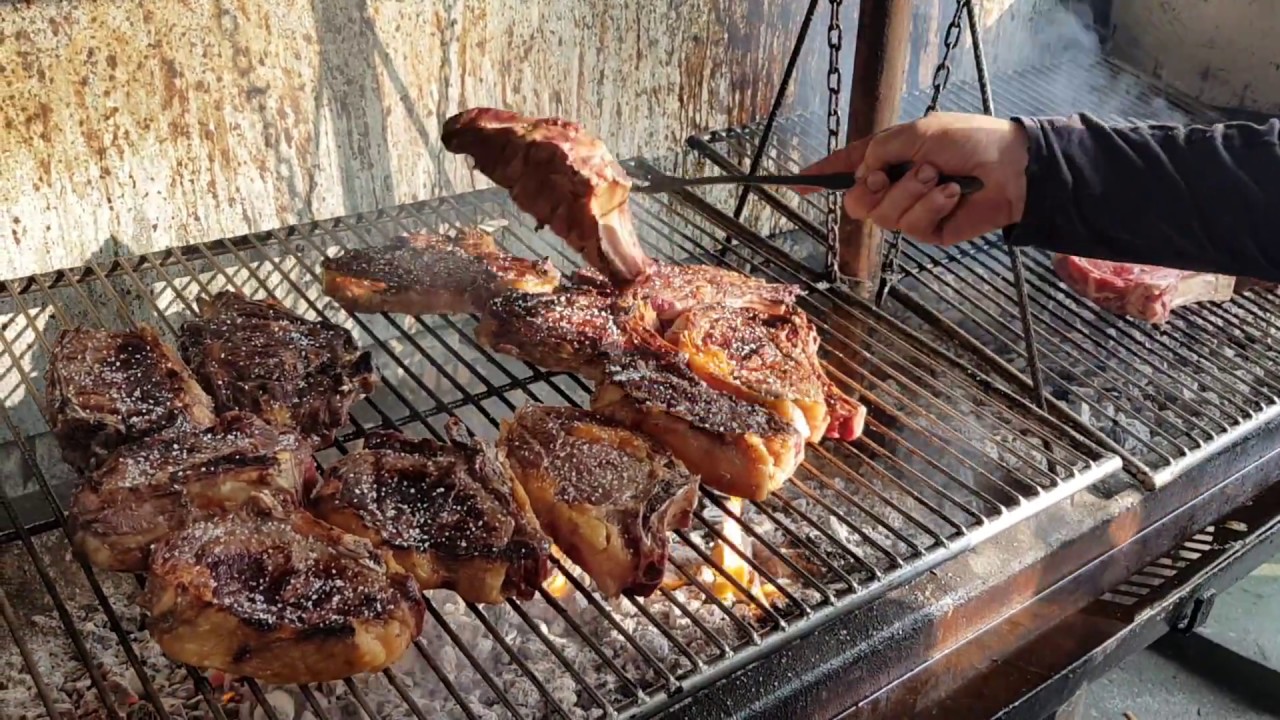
(846, 159)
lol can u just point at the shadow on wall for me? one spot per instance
(348, 98)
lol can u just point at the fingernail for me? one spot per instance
(950, 191)
(926, 173)
(877, 182)
(861, 172)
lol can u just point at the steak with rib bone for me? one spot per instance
(449, 513)
(732, 441)
(275, 594)
(259, 357)
(432, 274)
(155, 486)
(674, 289)
(1145, 292)
(773, 357)
(105, 389)
(607, 496)
(569, 330)
(562, 176)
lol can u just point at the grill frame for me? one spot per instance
(235, 257)
(945, 288)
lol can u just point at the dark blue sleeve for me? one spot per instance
(1189, 197)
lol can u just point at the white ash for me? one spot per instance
(61, 669)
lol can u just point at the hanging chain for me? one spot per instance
(889, 271)
(835, 41)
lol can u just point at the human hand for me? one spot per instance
(993, 150)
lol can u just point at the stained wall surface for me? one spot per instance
(133, 126)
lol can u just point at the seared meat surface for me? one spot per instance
(449, 514)
(155, 486)
(607, 496)
(742, 331)
(674, 289)
(257, 356)
(105, 389)
(562, 176)
(427, 274)
(569, 330)
(279, 596)
(774, 357)
(736, 445)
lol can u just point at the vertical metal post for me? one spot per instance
(879, 70)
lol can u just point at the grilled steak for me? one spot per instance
(1142, 291)
(562, 176)
(155, 486)
(257, 356)
(105, 389)
(568, 330)
(422, 274)
(448, 513)
(279, 596)
(607, 496)
(674, 289)
(774, 357)
(737, 446)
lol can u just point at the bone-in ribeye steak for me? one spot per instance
(1145, 292)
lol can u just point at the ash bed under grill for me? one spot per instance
(951, 457)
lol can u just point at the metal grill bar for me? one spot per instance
(1163, 399)
(951, 457)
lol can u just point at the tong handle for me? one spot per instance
(832, 181)
(969, 184)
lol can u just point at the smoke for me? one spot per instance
(1044, 57)
(1048, 53)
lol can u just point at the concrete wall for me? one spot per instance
(1223, 53)
(132, 125)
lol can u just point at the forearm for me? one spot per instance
(1197, 198)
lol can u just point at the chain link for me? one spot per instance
(889, 270)
(835, 41)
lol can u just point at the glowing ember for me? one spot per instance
(732, 565)
(558, 585)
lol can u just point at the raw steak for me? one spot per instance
(1142, 291)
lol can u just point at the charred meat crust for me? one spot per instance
(105, 389)
(736, 445)
(428, 274)
(664, 382)
(608, 496)
(674, 289)
(259, 357)
(774, 356)
(454, 504)
(569, 330)
(157, 485)
(562, 176)
(281, 597)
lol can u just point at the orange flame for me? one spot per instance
(732, 565)
(558, 585)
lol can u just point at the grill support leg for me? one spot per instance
(879, 71)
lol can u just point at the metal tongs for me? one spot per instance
(660, 182)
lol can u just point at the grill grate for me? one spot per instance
(1161, 398)
(951, 457)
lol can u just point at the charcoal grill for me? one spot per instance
(949, 460)
(889, 563)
